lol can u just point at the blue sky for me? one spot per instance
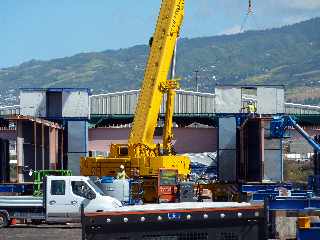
(46, 29)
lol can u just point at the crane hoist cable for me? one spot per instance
(247, 16)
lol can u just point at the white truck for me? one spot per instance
(63, 197)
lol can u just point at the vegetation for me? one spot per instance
(297, 172)
(289, 55)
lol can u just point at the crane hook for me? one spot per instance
(250, 9)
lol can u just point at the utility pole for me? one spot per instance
(197, 88)
(214, 78)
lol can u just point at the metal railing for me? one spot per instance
(296, 108)
(290, 108)
(10, 110)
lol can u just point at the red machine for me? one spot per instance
(167, 185)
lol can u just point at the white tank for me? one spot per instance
(116, 188)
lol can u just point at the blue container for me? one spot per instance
(107, 179)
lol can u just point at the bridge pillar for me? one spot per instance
(38, 147)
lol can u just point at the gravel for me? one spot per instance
(47, 232)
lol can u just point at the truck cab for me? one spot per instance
(65, 195)
(62, 201)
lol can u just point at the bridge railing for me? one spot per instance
(10, 110)
(125, 102)
(296, 108)
(195, 105)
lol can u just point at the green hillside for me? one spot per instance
(289, 55)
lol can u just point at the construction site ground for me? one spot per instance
(47, 232)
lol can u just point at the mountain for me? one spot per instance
(289, 55)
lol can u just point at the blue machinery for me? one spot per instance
(296, 207)
(259, 192)
(279, 125)
(296, 202)
(285, 197)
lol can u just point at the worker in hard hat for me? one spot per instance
(122, 173)
(251, 108)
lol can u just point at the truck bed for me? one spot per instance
(21, 201)
(196, 220)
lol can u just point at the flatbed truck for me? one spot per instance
(61, 202)
(177, 221)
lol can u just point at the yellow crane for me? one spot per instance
(141, 154)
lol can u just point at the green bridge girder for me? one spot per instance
(181, 119)
(188, 118)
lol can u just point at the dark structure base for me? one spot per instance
(244, 224)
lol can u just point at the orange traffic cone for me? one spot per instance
(13, 221)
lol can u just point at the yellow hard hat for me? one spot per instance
(121, 166)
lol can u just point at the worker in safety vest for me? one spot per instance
(251, 108)
(122, 173)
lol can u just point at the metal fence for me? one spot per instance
(125, 102)
(295, 108)
(10, 110)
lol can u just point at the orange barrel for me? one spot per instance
(304, 222)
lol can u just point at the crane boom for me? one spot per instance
(141, 154)
(155, 82)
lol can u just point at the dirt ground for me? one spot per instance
(47, 232)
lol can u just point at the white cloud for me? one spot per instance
(233, 30)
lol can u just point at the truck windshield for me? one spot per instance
(96, 188)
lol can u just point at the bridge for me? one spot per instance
(118, 108)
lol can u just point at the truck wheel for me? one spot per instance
(4, 221)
